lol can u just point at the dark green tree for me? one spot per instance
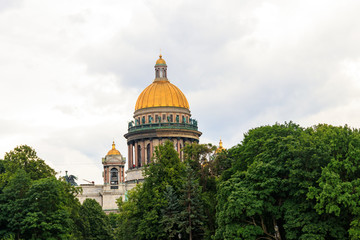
(142, 213)
(171, 214)
(95, 223)
(129, 215)
(264, 194)
(33, 203)
(166, 170)
(192, 216)
(13, 205)
(47, 213)
(24, 157)
(338, 192)
(206, 166)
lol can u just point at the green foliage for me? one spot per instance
(33, 203)
(264, 194)
(24, 157)
(207, 167)
(166, 170)
(95, 223)
(192, 216)
(143, 211)
(338, 192)
(13, 203)
(47, 215)
(171, 214)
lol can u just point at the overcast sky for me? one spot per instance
(71, 71)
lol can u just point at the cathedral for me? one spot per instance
(162, 113)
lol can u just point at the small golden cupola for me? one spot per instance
(160, 61)
(113, 151)
(220, 148)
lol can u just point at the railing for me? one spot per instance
(163, 125)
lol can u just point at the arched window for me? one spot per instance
(139, 155)
(148, 157)
(114, 176)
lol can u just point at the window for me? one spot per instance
(164, 117)
(171, 118)
(114, 176)
(156, 118)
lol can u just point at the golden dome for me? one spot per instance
(160, 60)
(113, 151)
(161, 94)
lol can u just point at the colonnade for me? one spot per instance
(141, 151)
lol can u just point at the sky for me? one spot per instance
(71, 71)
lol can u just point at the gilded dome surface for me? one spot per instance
(113, 151)
(161, 94)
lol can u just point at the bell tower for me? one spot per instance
(114, 172)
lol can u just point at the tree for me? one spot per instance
(33, 203)
(338, 192)
(142, 213)
(47, 213)
(264, 194)
(24, 157)
(171, 214)
(95, 223)
(12, 204)
(207, 166)
(192, 216)
(129, 215)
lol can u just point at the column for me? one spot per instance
(130, 164)
(107, 174)
(143, 153)
(178, 145)
(151, 149)
(136, 153)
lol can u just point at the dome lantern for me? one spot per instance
(160, 69)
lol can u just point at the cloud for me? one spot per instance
(71, 71)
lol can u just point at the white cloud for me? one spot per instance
(71, 71)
